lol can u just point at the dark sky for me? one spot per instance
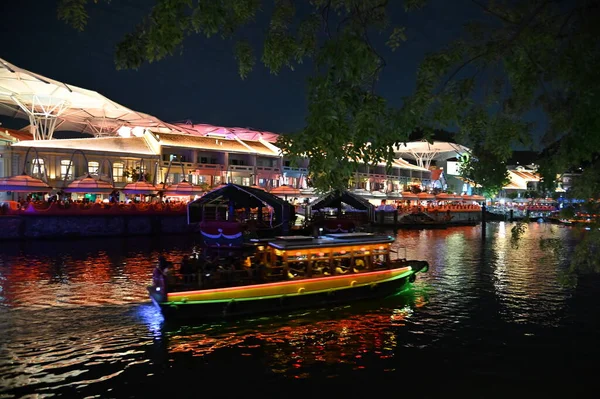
(201, 84)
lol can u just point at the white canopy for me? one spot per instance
(424, 152)
(52, 105)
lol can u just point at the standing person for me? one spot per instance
(159, 277)
(162, 261)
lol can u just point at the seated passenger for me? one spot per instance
(296, 270)
(341, 269)
(359, 266)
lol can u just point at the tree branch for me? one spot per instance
(494, 13)
(461, 66)
(325, 17)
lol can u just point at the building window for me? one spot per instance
(93, 167)
(140, 167)
(37, 167)
(66, 166)
(118, 171)
(203, 160)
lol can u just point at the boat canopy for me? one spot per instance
(235, 196)
(335, 198)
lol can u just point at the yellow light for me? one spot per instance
(298, 253)
(321, 254)
(363, 249)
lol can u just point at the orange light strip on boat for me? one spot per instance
(293, 288)
(285, 283)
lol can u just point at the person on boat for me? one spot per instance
(159, 277)
(162, 261)
(187, 269)
(318, 268)
(340, 269)
(297, 270)
(260, 271)
(359, 266)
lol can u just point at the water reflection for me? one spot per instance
(526, 280)
(82, 273)
(76, 320)
(324, 341)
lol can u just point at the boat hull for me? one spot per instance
(284, 296)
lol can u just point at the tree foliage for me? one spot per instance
(519, 57)
(348, 122)
(534, 56)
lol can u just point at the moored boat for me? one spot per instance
(288, 273)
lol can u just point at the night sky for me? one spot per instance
(202, 83)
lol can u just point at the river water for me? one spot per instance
(489, 319)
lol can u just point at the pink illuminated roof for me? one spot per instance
(217, 144)
(203, 129)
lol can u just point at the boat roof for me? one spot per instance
(329, 240)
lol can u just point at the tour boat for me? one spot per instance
(288, 273)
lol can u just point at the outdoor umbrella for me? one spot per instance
(24, 184)
(89, 185)
(448, 197)
(285, 190)
(183, 188)
(409, 196)
(425, 196)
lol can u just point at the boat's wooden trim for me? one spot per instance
(288, 288)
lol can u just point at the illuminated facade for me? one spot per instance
(204, 160)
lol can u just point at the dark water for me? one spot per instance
(487, 320)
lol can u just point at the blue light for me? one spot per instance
(152, 317)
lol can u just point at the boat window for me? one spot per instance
(378, 261)
(297, 269)
(278, 260)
